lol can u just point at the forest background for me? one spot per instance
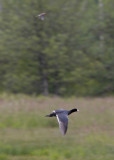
(70, 53)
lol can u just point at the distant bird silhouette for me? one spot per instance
(41, 16)
(62, 117)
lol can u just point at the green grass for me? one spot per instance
(26, 134)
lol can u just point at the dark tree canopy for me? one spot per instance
(71, 52)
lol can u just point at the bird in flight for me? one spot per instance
(62, 117)
(41, 16)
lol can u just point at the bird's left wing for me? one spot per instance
(63, 122)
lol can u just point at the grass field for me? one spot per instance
(26, 134)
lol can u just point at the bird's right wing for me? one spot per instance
(42, 18)
(63, 122)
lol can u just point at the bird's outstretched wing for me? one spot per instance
(63, 122)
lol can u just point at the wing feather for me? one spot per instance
(63, 122)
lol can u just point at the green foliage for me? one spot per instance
(3, 157)
(69, 53)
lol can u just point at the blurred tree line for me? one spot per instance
(71, 52)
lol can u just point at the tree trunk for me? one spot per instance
(101, 19)
(45, 86)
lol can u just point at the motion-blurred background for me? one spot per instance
(65, 61)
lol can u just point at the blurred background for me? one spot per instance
(65, 61)
(69, 53)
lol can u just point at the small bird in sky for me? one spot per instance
(62, 117)
(41, 16)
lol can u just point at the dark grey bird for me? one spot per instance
(62, 117)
